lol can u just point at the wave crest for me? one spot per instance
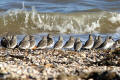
(23, 21)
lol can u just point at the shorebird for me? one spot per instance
(70, 43)
(6, 40)
(107, 44)
(43, 43)
(25, 43)
(77, 45)
(59, 43)
(50, 41)
(32, 42)
(13, 42)
(118, 41)
(111, 42)
(115, 45)
(89, 43)
(8, 36)
(97, 42)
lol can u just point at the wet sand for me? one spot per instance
(59, 65)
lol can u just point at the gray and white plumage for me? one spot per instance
(13, 42)
(70, 43)
(108, 43)
(78, 44)
(97, 42)
(111, 42)
(118, 41)
(6, 40)
(50, 41)
(25, 43)
(32, 42)
(89, 43)
(59, 43)
(8, 36)
(115, 45)
(43, 43)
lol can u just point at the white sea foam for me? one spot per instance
(35, 21)
(115, 18)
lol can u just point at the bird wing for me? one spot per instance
(77, 45)
(41, 43)
(23, 43)
(103, 44)
(57, 44)
(97, 44)
(68, 43)
(49, 42)
(88, 43)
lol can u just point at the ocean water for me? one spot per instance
(77, 17)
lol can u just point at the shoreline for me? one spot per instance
(59, 64)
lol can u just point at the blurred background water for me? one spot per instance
(60, 16)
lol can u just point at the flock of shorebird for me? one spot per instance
(28, 42)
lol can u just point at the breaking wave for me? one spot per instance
(24, 21)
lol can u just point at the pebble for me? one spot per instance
(51, 65)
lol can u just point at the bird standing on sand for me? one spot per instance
(13, 42)
(5, 40)
(115, 45)
(8, 36)
(43, 43)
(108, 43)
(89, 43)
(97, 42)
(70, 43)
(50, 41)
(111, 42)
(77, 45)
(59, 43)
(25, 43)
(32, 42)
(118, 41)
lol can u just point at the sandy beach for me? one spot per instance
(59, 65)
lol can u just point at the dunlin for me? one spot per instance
(50, 41)
(43, 43)
(13, 42)
(118, 41)
(8, 36)
(97, 42)
(32, 42)
(111, 42)
(77, 45)
(89, 43)
(70, 43)
(108, 43)
(25, 43)
(115, 45)
(6, 40)
(59, 43)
